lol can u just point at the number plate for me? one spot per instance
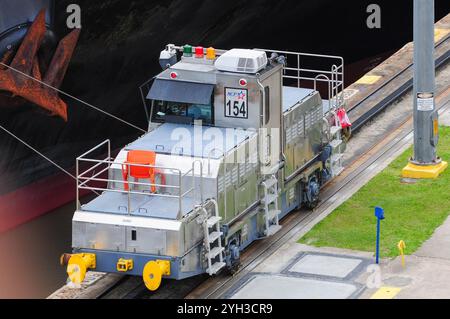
(236, 103)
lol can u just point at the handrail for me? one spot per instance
(129, 164)
(97, 147)
(83, 180)
(323, 77)
(94, 179)
(77, 167)
(128, 192)
(333, 76)
(93, 168)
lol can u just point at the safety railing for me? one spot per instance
(300, 68)
(98, 167)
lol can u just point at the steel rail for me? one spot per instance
(375, 109)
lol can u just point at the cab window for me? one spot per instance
(176, 112)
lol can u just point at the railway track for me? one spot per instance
(396, 86)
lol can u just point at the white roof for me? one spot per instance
(244, 53)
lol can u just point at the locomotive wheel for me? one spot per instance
(347, 133)
(152, 275)
(312, 193)
(234, 269)
(312, 205)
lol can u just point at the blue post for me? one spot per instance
(379, 214)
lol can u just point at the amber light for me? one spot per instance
(210, 53)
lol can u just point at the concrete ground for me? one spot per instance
(426, 273)
(348, 274)
(445, 119)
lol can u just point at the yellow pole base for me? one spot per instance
(423, 171)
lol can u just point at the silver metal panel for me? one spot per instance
(114, 233)
(126, 220)
(78, 234)
(144, 206)
(247, 194)
(302, 131)
(166, 140)
(229, 197)
(226, 80)
(193, 233)
(274, 82)
(201, 73)
(98, 236)
(293, 95)
(237, 182)
(148, 241)
(193, 260)
(175, 245)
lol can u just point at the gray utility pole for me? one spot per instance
(425, 114)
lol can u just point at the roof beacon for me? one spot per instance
(168, 57)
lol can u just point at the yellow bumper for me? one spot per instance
(153, 272)
(78, 265)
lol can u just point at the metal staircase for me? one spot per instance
(270, 206)
(212, 240)
(337, 147)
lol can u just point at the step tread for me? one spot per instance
(216, 267)
(215, 252)
(336, 157)
(337, 170)
(213, 220)
(335, 143)
(214, 236)
(270, 182)
(273, 213)
(270, 198)
(334, 130)
(273, 229)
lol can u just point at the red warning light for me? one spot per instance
(199, 52)
(243, 82)
(173, 75)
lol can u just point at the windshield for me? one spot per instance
(176, 112)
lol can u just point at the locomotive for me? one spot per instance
(236, 140)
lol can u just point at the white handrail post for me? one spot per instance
(76, 180)
(180, 201)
